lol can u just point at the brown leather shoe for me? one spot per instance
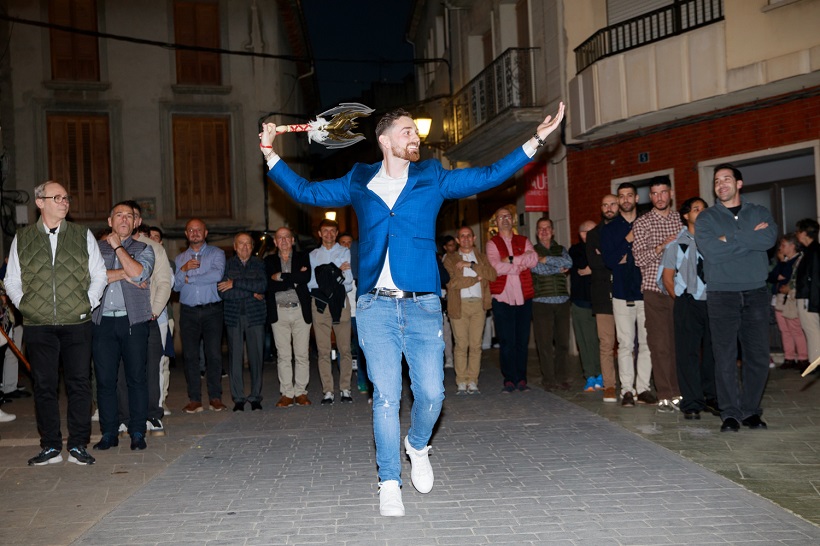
(192, 407)
(302, 400)
(217, 405)
(284, 402)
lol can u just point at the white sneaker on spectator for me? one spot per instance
(462, 388)
(390, 503)
(123, 430)
(421, 473)
(472, 388)
(96, 417)
(6, 417)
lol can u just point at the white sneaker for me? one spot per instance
(123, 430)
(472, 388)
(390, 499)
(421, 473)
(462, 388)
(6, 417)
(96, 417)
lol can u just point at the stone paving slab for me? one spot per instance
(525, 468)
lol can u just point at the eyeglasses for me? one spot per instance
(58, 198)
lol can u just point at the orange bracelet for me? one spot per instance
(265, 146)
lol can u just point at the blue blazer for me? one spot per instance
(408, 230)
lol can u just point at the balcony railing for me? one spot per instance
(680, 17)
(506, 83)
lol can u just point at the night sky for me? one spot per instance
(357, 29)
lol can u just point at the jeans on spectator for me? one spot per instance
(389, 327)
(512, 326)
(115, 339)
(742, 316)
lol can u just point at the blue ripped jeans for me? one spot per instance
(387, 328)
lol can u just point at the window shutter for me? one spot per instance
(202, 167)
(79, 159)
(74, 57)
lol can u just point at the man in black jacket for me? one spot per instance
(288, 274)
(807, 286)
(601, 295)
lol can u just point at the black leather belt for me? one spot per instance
(396, 293)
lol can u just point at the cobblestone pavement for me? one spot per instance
(529, 468)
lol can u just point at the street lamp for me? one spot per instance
(423, 123)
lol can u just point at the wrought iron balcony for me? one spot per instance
(680, 17)
(507, 83)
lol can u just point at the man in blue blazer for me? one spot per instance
(398, 309)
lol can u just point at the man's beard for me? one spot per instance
(403, 153)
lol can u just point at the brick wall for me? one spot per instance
(681, 148)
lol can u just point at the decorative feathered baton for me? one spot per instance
(336, 133)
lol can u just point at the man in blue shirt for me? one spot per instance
(198, 270)
(331, 252)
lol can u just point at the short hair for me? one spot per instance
(327, 222)
(446, 239)
(290, 231)
(809, 226)
(40, 189)
(659, 181)
(627, 186)
(466, 227)
(686, 207)
(544, 219)
(134, 205)
(791, 238)
(158, 230)
(144, 229)
(120, 204)
(389, 119)
(345, 234)
(241, 233)
(735, 171)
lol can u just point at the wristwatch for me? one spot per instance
(511, 259)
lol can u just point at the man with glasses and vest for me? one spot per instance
(55, 277)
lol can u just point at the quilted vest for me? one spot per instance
(54, 293)
(137, 300)
(547, 286)
(519, 243)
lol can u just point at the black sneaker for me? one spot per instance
(628, 400)
(328, 399)
(138, 441)
(78, 455)
(647, 398)
(48, 455)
